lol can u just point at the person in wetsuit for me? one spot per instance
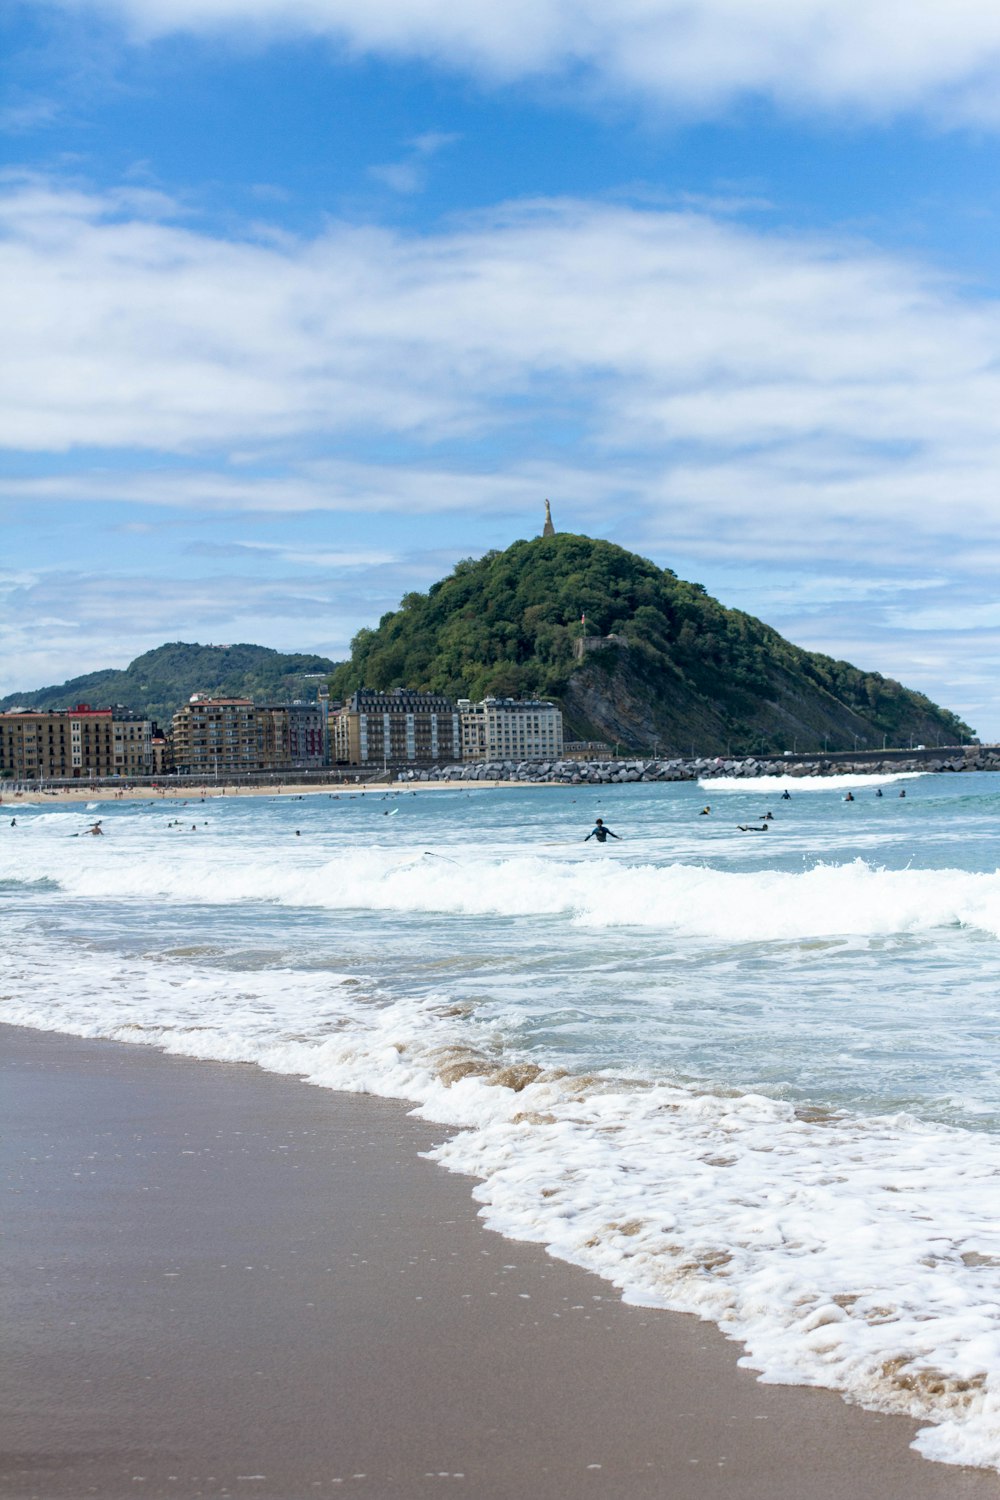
(600, 832)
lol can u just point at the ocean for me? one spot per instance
(751, 1076)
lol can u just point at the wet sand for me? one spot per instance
(221, 1282)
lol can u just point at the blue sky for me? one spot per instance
(304, 300)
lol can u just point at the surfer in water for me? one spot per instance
(751, 828)
(600, 832)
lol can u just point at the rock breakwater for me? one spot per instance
(599, 771)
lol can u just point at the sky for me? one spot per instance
(305, 300)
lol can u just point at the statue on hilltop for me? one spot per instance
(548, 529)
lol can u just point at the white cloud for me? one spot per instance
(741, 389)
(689, 57)
(679, 381)
(330, 485)
(730, 361)
(319, 558)
(400, 176)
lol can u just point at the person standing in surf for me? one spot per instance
(600, 832)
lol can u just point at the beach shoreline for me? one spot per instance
(209, 791)
(220, 1281)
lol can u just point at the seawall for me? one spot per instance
(949, 760)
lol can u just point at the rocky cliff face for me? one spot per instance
(614, 697)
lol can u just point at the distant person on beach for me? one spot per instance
(600, 832)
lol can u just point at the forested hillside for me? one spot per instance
(685, 672)
(157, 683)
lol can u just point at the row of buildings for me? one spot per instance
(214, 737)
(77, 742)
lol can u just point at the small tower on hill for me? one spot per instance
(548, 529)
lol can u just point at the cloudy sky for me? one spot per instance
(303, 300)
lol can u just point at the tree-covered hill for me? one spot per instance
(684, 673)
(157, 683)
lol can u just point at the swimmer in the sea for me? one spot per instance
(600, 832)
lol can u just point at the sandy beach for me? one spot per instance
(168, 792)
(222, 1282)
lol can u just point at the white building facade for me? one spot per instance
(508, 729)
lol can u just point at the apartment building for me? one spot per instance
(218, 736)
(508, 729)
(81, 742)
(229, 736)
(295, 735)
(394, 728)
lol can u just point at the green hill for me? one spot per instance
(159, 682)
(684, 673)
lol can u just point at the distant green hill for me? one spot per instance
(684, 674)
(159, 682)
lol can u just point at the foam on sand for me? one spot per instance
(860, 1254)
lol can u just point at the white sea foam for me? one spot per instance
(851, 899)
(846, 782)
(855, 1251)
(860, 1254)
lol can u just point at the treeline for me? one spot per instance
(159, 682)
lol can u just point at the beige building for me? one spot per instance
(217, 736)
(229, 736)
(163, 755)
(295, 735)
(507, 729)
(82, 742)
(394, 728)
